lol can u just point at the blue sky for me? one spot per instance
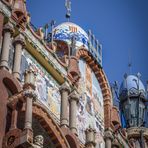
(120, 25)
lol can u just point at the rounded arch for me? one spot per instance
(54, 131)
(71, 141)
(9, 82)
(8, 86)
(71, 138)
(102, 79)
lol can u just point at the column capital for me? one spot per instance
(30, 94)
(108, 135)
(74, 96)
(90, 130)
(90, 137)
(19, 40)
(29, 79)
(65, 86)
(8, 27)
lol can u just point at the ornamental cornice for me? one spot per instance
(5, 10)
(136, 132)
(40, 48)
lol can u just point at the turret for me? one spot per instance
(132, 100)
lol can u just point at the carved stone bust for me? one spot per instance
(38, 141)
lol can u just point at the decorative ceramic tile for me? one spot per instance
(90, 108)
(67, 30)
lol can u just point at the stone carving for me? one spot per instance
(65, 87)
(30, 94)
(38, 142)
(19, 39)
(108, 135)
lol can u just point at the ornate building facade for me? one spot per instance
(54, 91)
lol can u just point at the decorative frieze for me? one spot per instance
(5, 10)
(40, 47)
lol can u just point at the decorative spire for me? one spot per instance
(68, 8)
(129, 62)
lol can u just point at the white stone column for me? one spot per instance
(64, 90)
(108, 139)
(19, 42)
(30, 95)
(73, 100)
(90, 138)
(14, 118)
(7, 31)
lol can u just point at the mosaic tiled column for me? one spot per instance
(108, 139)
(64, 90)
(90, 138)
(30, 95)
(8, 30)
(19, 42)
(73, 100)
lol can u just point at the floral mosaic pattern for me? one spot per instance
(46, 87)
(90, 108)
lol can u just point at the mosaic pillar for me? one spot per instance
(30, 95)
(8, 30)
(19, 42)
(73, 99)
(90, 138)
(64, 90)
(108, 139)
